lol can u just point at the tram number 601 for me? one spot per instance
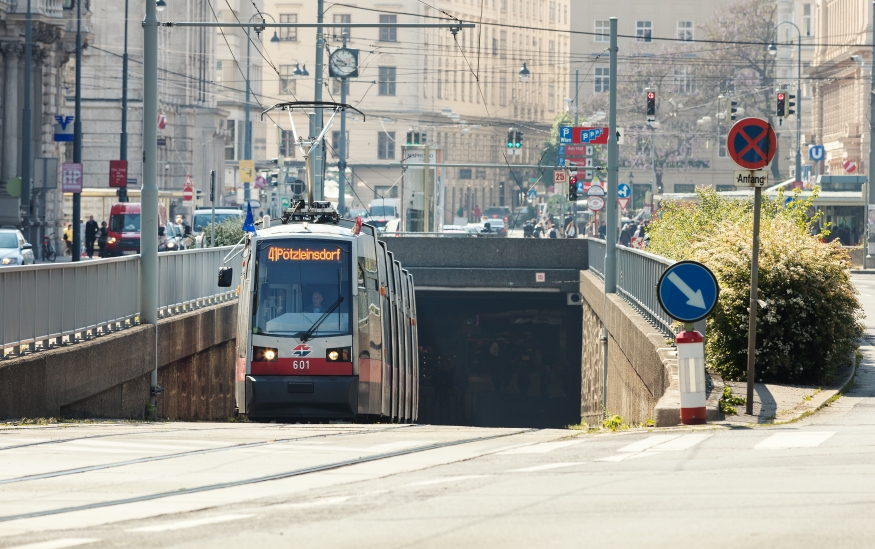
(301, 364)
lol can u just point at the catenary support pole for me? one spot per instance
(341, 164)
(149, 188)
(317, 155)
(77, 134)
(871, 166)
(212, 208)
(798, 106)
(123, 138)
(752, 315)
(611, 195)
(247, 129)
(27, 128)
(576, 97)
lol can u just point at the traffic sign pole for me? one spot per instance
(752, 316)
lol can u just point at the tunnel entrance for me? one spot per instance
(499, 359)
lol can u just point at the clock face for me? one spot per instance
(344, 62)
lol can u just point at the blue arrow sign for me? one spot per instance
(623, 190)
(816, 152)
(687, 291)
(564, 135)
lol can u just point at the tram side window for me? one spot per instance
(297, 282)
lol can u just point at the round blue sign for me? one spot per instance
(687, 291)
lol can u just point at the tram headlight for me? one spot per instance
(340, 354)
(264, 354)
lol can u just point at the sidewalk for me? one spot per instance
(785, 403)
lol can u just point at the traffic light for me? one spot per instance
(790, 104)
(510, 138)
(572, 190)
(415, 138)
(733, 110)
(518, 139)
(198, 197)
(781, 105)
(651, 103)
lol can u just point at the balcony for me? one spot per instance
(47, 8)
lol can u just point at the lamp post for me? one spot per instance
(27, 126)
(123, 140)
(77, 134)
(247, 145)
(773, 50)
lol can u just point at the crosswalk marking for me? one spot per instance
(546, 467)
(657, 444)
(183, 524)
(541, 448)
(794, 439)
(445, 479)
(56, 543)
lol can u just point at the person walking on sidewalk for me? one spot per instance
(90, 235)
(102, 237)
(68, 239)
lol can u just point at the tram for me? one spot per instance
(326, 325)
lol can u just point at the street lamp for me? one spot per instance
(160, 5)
(524, 73)
(247, 146)
(773, 50)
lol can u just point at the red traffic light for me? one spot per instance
(651, 95)
(573, 180)
(780, 97)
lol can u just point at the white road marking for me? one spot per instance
(546, 467)
(648, 442)
(446, 479)
(183, 524)
(794, 439)
(541, 448)
(657, 444)
(56, 543)
(309, 504)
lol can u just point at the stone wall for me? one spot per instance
(108, 377)
(640, 361)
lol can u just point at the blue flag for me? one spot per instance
(249, 222)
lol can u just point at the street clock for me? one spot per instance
(343, 63)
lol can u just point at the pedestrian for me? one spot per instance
(626, 235)
(553, 233)
(68, 239)
(460, 212)
(102, 237)
(81, 236)
(476, 213)
(539, 230)
(91, 228)
(529, 229)
(570, 228)
(603, 230)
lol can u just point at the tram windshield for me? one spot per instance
(297, 282)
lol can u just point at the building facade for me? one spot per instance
(462, 90)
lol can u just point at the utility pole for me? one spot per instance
(247, 130)
(123, 138)
(149, 188)
(871, 166)
(610, 269)
(576, 96)
(77, 133)
(316, 121)
(341, 164)
(27, 126)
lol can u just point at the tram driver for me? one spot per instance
(316, 303)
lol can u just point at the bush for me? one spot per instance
(811, 320)
(228, 232)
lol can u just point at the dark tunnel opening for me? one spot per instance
(499, 359)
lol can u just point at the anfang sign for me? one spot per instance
(751, 178)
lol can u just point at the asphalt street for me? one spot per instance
(806, 484)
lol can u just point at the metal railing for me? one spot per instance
(638, 272)
(47, 305)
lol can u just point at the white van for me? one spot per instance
(383, 210)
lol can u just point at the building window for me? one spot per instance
(683, 82)
(388, 34)
(643, 30)
(685, 30)
(287, 143)
(602, 30)
(552, 12)
(502, 92)
(440, 80)
(287, 80)
(230, 139)
(386, 145)
(551, 52)
(335, 144)
(289, 34)
(684, 188)
(220, 73)
(340, 32)
(601, 80)
(387, 80)
(806, 20)
(503, 43)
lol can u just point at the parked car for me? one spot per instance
(383, 210)
(358, 212)
(176, 238)
(496, 212)
(201, 217)
(496, 226)
(14, 250)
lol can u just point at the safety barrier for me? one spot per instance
(638, 272)
(47, 305)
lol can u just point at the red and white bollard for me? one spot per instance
(691, 376)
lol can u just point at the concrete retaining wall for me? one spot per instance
(640, 362)
(108, 377)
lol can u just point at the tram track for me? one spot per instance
(256, 480)
(243, 446)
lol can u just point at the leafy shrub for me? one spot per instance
(811, 320)
(228, 232)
